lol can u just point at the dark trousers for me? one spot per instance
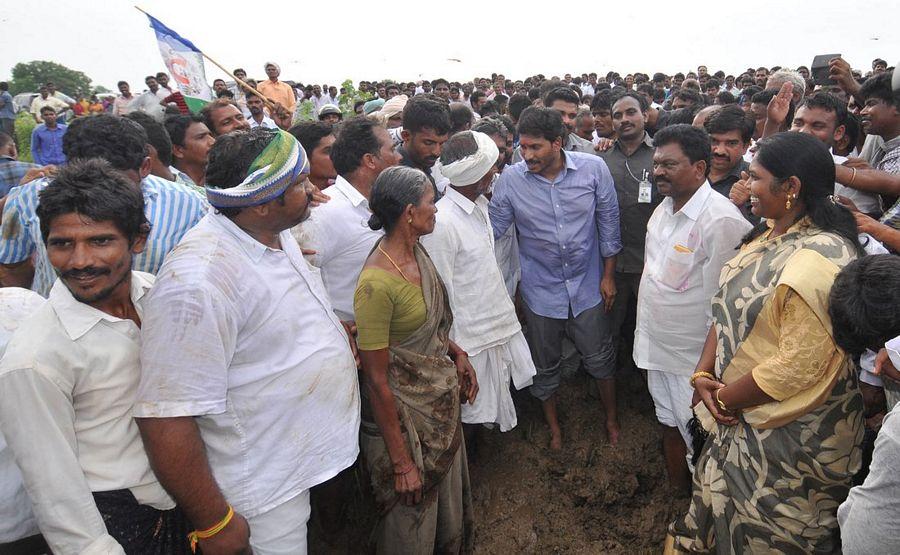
(141, 529)
(589, 331)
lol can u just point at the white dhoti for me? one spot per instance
(495, 367)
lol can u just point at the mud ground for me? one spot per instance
(589, 498)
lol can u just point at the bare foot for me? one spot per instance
(612, 431)
(555, 441)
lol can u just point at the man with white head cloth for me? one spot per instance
(462, 248)
(248, 394)
(392, 111)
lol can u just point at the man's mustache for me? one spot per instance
(83, 273)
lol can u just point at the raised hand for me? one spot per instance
(780, 105)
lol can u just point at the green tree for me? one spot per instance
(28, 77)
(24, 126)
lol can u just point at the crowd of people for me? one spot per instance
(212, 321)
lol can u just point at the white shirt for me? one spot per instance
(67, 386)
(684, 255)
(339, 232)
(266, 122)
(16, 516)
(462, 249)
(319, 101)
(243, 337)
(868, 203)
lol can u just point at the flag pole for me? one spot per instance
(268, 101)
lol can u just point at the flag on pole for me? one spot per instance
(185, 64)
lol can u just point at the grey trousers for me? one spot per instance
(590, 333)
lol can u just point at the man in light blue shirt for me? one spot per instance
(171, 208)
(565, 210)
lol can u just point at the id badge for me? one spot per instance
(644, 192)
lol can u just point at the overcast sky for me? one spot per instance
(407, 39)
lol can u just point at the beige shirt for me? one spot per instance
(68, 382)
(39, 103)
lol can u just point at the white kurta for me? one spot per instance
(484, 319)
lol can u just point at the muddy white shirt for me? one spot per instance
(684, 255)
(243, 337)
(67, 385)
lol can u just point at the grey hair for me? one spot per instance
(394, 189)
(783, 76)
(583, 114)
(491, 126)
(458, 147)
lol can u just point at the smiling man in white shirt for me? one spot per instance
(69, 376)
(338, 231)
(462, 249)
(248, 394)
(690, 236)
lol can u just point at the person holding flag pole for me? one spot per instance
(185, 62)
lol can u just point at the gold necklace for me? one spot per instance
(394, 263)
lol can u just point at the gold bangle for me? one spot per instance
(696, 375)
(719, 401)
(198, 535)
(852, 177)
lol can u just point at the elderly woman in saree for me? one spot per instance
(414, 379)
(777, 395)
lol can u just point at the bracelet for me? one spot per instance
(198, 535)
(719, 401)
(460, 352)
(696, 375)
(852, 177)
(411, 466)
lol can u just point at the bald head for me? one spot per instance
(701, 116)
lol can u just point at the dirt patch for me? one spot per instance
(590, 498)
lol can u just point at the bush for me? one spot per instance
(24, 126)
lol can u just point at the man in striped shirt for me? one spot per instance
(171, 208)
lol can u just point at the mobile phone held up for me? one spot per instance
(819, 69)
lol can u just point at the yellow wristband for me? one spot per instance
(198, 535)
(701, 375)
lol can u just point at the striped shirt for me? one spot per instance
(171, 208)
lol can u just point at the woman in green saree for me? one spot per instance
(414, 379)
(777, 395)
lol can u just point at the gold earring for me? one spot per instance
(409, 220)
(789, 203)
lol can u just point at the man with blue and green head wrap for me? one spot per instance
(248, 393)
